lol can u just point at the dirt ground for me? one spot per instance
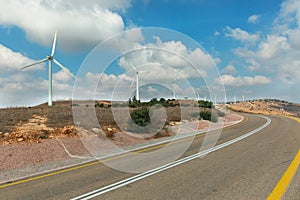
(267, 107)
(17, 155)
(41, 135)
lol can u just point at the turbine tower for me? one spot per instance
(137, 96)
(51, 59)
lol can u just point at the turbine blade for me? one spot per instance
(64, 68)
(36, 63)
(132, 82)
(54, 44)
(133, 67)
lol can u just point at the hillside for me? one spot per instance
(267, 107)
(33, 124)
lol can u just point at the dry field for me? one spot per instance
(267, 107)
(34, 124)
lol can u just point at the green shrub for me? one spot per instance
(207, 115)
(141, 116)
(205, 104)
(100, 105)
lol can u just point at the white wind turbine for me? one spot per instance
(137, 96)
(51, 59)
(174, 85)
(174, 91)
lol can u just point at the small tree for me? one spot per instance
(207, 115)
(140, 118)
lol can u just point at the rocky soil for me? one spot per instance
(267, 107)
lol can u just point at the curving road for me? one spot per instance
(247, 169)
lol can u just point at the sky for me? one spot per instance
(188, 48)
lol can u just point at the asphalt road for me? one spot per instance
(248, 169)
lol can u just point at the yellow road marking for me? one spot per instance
(104, 160)
(296, 119)
(287, 177)
(285, 180)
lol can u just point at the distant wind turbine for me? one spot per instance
(174, 92)
(174, 85)
(50, 59)
(137, 96)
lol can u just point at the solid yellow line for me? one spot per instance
(285, 180)
(296, 119)
(98, 162)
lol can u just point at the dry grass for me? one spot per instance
(57, 121)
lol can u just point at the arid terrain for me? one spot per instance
(267, 107)
(34, 124)
(37, 136)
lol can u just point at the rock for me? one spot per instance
(97, 130)
(6, 134)
(109, 129)
(20, 139)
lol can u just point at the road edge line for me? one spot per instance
(287, 177)
(285, 180)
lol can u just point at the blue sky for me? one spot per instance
(255, 46)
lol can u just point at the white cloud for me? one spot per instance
(239, 81)
(168, 59)
(253, 19)
(80, 24)
(217, 33)
(13, 61)
(278, 51)
(152, 90)
(272, 46)
(229, 69)
(241, 35)
(62, 76)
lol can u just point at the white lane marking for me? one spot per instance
(135, 178)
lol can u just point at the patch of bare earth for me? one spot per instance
(34, 143)
(266, 107)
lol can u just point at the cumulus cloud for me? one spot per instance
(277, 52)
(169, 59)
(80, 24)
(241, 35)
(229, 69)
(272, 46)
(239, 81)
(13, 61)
(62, 76)
(253, 19)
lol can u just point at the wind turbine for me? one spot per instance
(174, 92)
(137, 96)
(51, 59)
(174, 85)
(234, 99)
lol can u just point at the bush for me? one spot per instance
(205, 104)
(141, 116)
(207, 115)
(100, 105)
